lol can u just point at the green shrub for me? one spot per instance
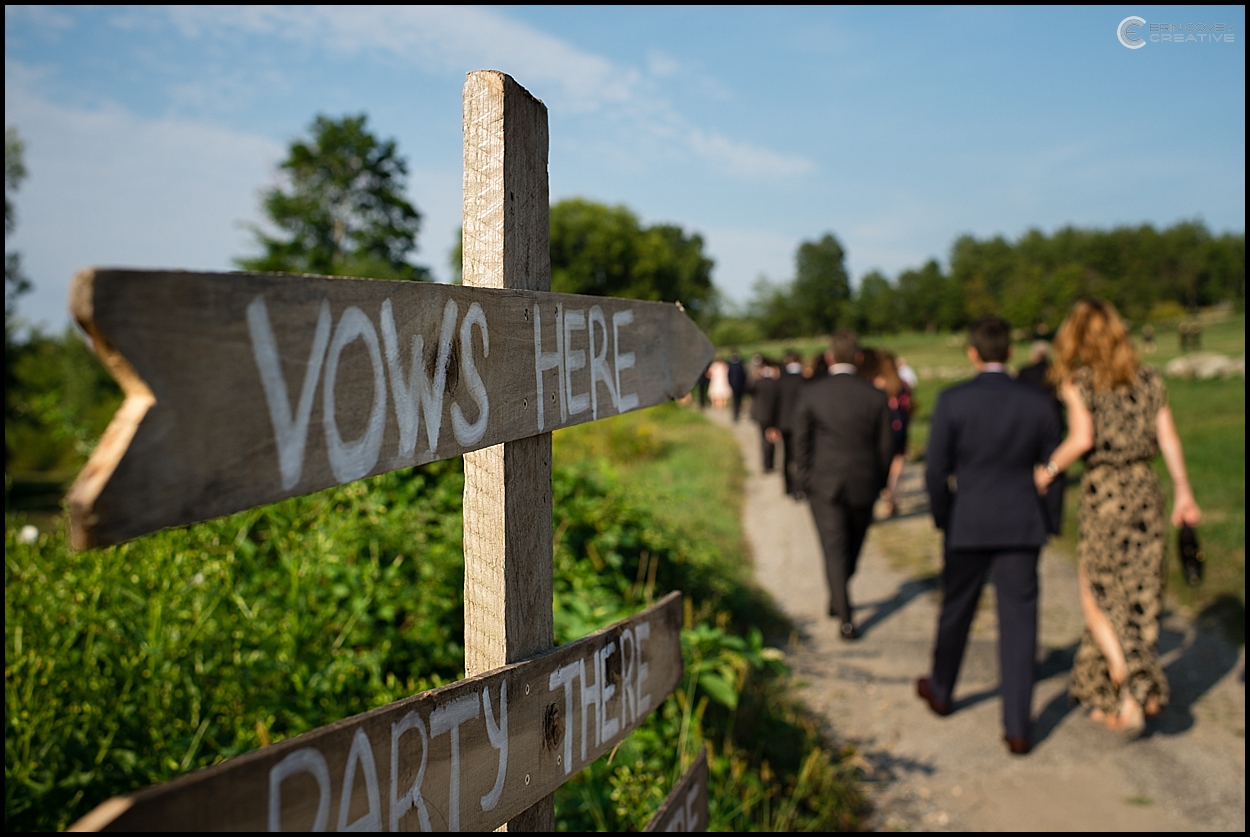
(130, 665)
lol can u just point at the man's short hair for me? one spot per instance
(845, 345)
(991, 337)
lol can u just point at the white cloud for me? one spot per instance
(447, 38)
(661, 64)
(744, 159)
(109, 188)
(458, 39)
(47, 18)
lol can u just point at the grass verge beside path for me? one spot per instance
(770, 770)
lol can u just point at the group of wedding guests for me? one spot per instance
(995, 468)
(776, 386)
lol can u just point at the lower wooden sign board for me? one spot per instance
(468, 756)
(685, 807)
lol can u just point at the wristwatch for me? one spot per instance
(1052, 470)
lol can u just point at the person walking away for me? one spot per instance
(900, 402)
(718, 389)
(737, 375)
(1118, 419)
(789, 385)
(985, 438)
(764, 400)
(843, 447)
(701, 386)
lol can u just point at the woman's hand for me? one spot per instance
(1080, 438)
(1185, 508)
(1042, 479)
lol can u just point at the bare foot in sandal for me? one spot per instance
(1130, 719)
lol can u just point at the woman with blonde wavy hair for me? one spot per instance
(1118, 420)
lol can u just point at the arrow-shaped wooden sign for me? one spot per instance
(244, 389)
(685, 807)
(468, 756)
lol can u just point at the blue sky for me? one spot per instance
(150, 131)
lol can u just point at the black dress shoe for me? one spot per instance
(924, 689)
(1018, 746)
(849, 632)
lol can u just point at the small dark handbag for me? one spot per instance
(1192, 556)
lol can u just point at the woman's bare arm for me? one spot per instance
(1080, 437)
(1184, 507)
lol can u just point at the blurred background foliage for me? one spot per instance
(1150, 275)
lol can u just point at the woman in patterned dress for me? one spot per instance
(1118, 419)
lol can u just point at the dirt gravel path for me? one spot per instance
(954, 774)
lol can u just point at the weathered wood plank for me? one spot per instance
(468, 756)
(507, 487)
(685, 807)
(244, 389)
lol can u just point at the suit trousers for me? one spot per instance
(1015, 585)
(789, 464)
(767, 451)
(842, 530)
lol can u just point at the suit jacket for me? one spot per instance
(789, 385)
(764, 402)
(737, 376)
(843, 439)
(988, 434)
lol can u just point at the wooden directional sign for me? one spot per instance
(685, 807)
(468, 756)
(244, 389)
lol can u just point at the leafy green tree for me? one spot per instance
(342, 211)
(15, 282)
(929, 300)
(821, 287)
(604, 250)
(773, 306)
(876, 305)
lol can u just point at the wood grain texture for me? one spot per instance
(507, 488)
(393, 768)
(685, 807)
(214, 423)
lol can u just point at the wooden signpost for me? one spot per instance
(244, 389)
(467, 756)
(685, 807)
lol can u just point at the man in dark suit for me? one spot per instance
(737, 382)
(985, 437)
(764, 409)
(843, 447)
(789, 386)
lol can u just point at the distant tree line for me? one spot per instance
(606, 250)
(1032, 282)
